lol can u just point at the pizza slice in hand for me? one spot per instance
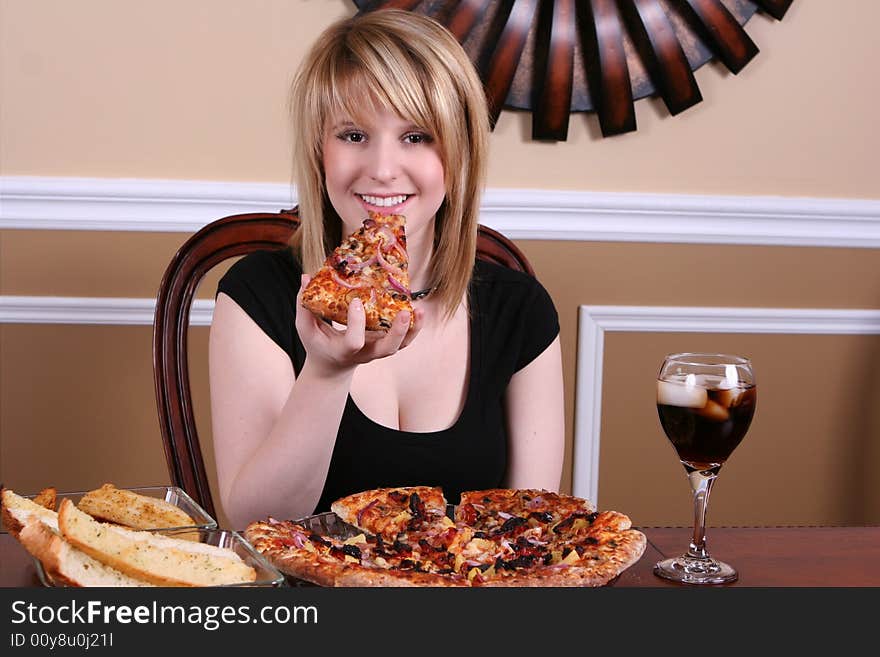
(371, 264)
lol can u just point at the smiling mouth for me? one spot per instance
(384, 201)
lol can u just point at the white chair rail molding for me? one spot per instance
(57, 203)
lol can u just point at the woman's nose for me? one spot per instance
(384, 161)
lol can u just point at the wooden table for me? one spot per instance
(764, 556)
(778, 556)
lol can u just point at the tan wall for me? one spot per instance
(197, 92)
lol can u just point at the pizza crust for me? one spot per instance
(400, 578)
(631, 547)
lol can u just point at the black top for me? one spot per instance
(512, 321)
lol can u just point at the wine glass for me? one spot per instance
(706, 403)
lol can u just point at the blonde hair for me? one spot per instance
(412, 65)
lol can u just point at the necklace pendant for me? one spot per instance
(421, 294)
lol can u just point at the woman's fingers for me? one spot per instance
(355, 333)
(381, 344)
(354, 344)
(418, 319)
(397, 333)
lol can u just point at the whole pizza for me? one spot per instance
(497, 537)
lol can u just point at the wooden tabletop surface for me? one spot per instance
(784, 556)
(764, 556)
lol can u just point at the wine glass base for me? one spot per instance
(691, 570)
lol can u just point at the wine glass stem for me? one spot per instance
(701, 483)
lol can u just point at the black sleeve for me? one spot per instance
(265, 284)
(517, 317)
(540, 324)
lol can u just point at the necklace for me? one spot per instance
(421, 294)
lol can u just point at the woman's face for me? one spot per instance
(384, 164)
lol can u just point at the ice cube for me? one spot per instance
(714, 411)
(729, 398)
(674, 393)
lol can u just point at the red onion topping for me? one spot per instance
(360, 514)
(387, 266)
(387, 236)
(358, 266)
(401, 252)
(398, 286)
(340, 281)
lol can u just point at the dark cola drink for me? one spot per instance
(706, 403)
(704, 417)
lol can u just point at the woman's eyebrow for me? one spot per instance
(343, 123)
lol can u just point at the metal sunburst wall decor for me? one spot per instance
(555, 57)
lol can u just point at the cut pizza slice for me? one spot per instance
(359, 560)
(372, 265)
(583, 549)
(512, 511)
(390, 512)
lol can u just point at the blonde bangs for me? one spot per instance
(371, 78)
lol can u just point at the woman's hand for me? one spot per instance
(333, 351)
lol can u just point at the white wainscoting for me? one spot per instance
(185, 206)
(92, 310)
(595, 321)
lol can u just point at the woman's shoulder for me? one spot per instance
(500, 288)
(518, 315)
(489, 274)
(263, 282)
(272, 264)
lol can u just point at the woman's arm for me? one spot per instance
(274, 432)
(535, 414)
(272, 439)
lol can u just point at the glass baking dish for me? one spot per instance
(171, 494)
(266, 574)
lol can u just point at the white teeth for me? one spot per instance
(384, 202)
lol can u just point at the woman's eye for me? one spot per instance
(417, 138)
(352, 136)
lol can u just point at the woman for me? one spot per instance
(389, 116)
